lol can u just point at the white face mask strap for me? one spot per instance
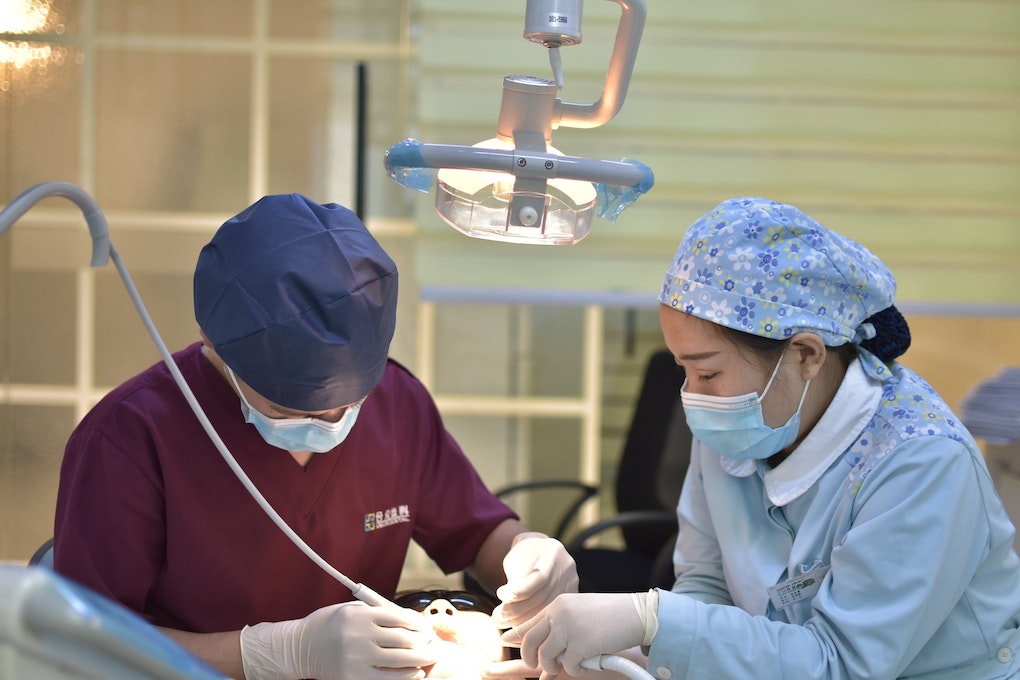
(237, 387)
(775, 372)
(803, 395)
(347, 415)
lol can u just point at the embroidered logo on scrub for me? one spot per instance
(797, 588)
(387, 518)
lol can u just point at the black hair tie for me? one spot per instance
(892, 334)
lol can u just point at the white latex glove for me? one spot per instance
(346, 641)
(537, 568)
(576, 627)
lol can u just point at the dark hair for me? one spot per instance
(892, 334)
(892, 339)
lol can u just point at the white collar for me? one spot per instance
(846, 417)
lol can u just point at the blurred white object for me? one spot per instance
(52, 628)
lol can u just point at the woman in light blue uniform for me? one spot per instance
(837, 520)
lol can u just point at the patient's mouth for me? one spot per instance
(445, 633)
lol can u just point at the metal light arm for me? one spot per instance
(621, 66)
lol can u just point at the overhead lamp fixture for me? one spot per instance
(27, 48)
(516, 186)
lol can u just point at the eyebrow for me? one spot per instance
(696, 357)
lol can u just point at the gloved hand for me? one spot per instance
(537, 568)
(346, 641)
(576, 627)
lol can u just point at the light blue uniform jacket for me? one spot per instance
(888, 508)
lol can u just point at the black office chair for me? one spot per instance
(649, 476)
(651, 471)
(43, 557)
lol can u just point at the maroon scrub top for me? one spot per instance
(150, 515)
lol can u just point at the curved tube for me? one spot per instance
(611, 662)
(621, 66)
(94, 217)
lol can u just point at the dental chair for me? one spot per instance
(52, 628)
(651, 471)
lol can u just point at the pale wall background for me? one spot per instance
(894, 122)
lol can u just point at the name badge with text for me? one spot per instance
(797, 588)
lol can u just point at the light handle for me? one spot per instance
(621, 66)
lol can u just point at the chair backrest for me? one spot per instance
(43, 556)
(656, 452)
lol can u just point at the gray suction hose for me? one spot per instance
(611, 662)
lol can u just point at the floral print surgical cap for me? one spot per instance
(768, 269)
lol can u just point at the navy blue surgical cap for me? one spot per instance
(300, 300)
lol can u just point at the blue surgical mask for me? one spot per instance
(735, 426)
(298, 434)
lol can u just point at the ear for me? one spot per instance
(212, 356)
(810, 352)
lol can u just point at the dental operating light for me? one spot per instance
(516, 186)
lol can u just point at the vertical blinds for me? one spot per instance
(895, 122)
